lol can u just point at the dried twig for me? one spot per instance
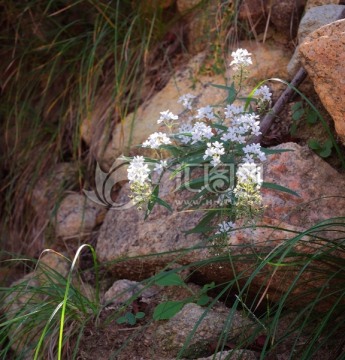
(267, 121)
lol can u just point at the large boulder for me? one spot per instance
(312, 20)
(323, 57)
(126, 234)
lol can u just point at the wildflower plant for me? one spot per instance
(217, 141)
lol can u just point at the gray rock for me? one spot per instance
(232, 355)
(77, 216)
(313, 19)
(312, 3)
(173, 335)
(123, 290)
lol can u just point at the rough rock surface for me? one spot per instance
(77, 216)
(324, 58)
(267, 62)
(232, 355)
(185, 5)
(51, 185)
(313, 19)
(125, 233)
(174, 333)
(254, 13)
(122, 290)
(312, 3)
(285, 15)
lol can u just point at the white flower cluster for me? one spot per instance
(225, 227)
(221, 140)
(241, 58)
(160, 166)
(185, 129)
(263, 94)
(201, 131)
(242, 126)
(249, 172)
(251, 151)
(214, 150)
(186, 101)
(138, 171)
(167, 117)
(205, 112)
(232, 110)
(156, 139)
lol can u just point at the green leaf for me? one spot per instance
(296, 106)
(277, 187)
(131, 320)
(151, 203)
(121, 320)
(298, 114)
(325, 152)
(293, 129)
(314, 144)
(164, 203)
(231, 92)
(224, 87)
(312, 116)
(203, 300)
(274, 151)
(204, 223)
(175, 151)
(169, 279)
(167, 310)
(140, 315)
(328, 143)
(207, 287)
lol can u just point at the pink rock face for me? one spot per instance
(323, 57)
(125, 234)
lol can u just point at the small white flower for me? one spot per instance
(214, 150)
(225, 198)
(241, 59)
(138, 171)
(254, 150)
(201, 131)
(185, 128)
(159, 167)
(249, 172)
(233, 110)
(166, 117)
(156, 139)
(186, 100)
(225, 227)
(263, 94)
(205, 112)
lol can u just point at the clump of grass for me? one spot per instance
(55, 313)
(44, 310)
(55, 59)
